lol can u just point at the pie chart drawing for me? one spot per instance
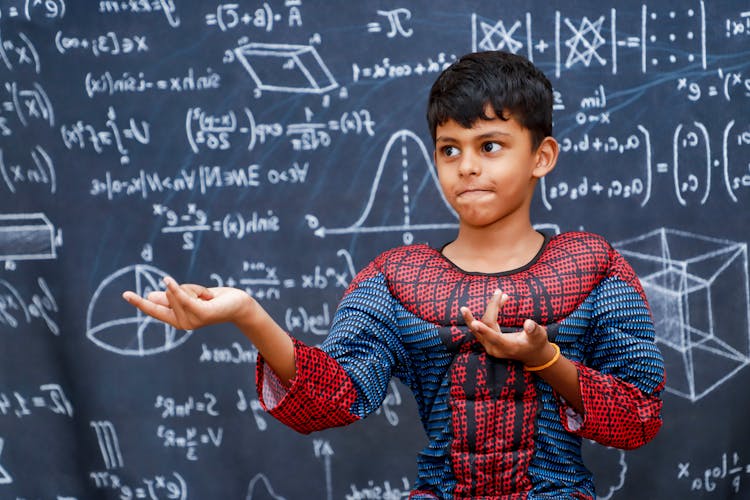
(115, 325)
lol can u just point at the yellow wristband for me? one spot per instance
(548, 363)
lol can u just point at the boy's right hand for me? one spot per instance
(189, 306)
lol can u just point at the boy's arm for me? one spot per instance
(622, 373)
(189, 306)
(345, 379)
(614, 398)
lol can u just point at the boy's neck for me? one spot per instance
(494, 249)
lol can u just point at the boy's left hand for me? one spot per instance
(529, 345)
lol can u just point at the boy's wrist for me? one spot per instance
(543, 356)
(247, 316)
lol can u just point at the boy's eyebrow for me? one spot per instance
(486, 135)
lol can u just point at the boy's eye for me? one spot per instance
(450, 151)
(491, 147)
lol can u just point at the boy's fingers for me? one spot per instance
(158, 297)
(153, 309)
(177, 297)
(468, 316)
(496, 302)
(483, 331)
(200, 292)
(533, 329)
(185, 293)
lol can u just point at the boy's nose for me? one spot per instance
(469, 165)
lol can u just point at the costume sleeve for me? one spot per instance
(622, 376)
(347, 377)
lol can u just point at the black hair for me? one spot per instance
(508, 82)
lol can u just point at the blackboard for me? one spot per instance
(258, 145)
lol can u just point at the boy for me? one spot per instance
(564, 349)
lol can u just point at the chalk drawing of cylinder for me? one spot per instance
(26, 237)
(286, 68)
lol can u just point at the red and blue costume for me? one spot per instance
(494, 430)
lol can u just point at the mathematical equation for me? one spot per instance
(202, 179)
(230, 16)
(126, 83)
(108, 44)
(165, 7)
(693, 166)
(80, 134)
(596, 41)
(189, 438)
(390, 69)
(51, 397)
(192, 438)
(158, 487)
(27, 104)
(232, 225)
(262, 280)
(19, 53)
(729, 468)
(15, 309)
(215, 132)
(31, 9)
(41, 171)
(722, 84)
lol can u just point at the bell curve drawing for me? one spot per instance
(405, 175)
(114, 325)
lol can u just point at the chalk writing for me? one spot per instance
(232, 225)
(190, 439)
(171, 408)
(229, 16)
(244, 404)
(375, 491)
(126, 83)
(108, 44)
(41, 171)
(30, 9)
(19, 53)
(27, 104)
(388, 69)
(159, 487)
(215, 132)
(167, 7)
(113, 135)
(202, 179)
(729, 468)
(51, 397)
(15, 309)
(396, 19)
(234, 354)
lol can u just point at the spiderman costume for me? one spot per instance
(494, 430)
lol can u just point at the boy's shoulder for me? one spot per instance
(595, 248)
(405, 256)
(580, 243)
(582, 240)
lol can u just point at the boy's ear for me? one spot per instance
(546, 157)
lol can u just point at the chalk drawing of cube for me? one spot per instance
(286, 68)
(697, 287)
(26, 237)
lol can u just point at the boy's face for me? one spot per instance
(488, 172)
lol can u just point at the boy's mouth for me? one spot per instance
(474, 191)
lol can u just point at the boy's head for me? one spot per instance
(507, 82)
